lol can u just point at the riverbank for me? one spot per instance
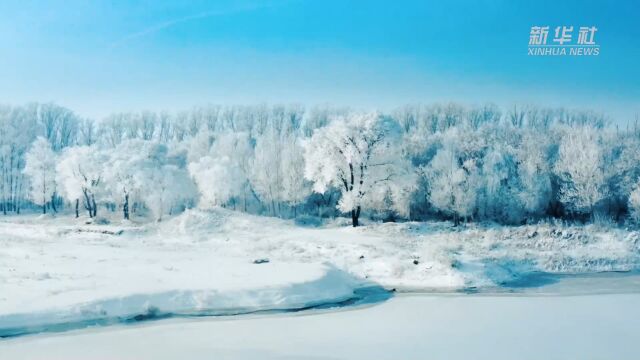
(62, 273)
(419, 326)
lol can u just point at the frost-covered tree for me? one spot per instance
(173, 187)
(580, 170)
(499, 174)
(123, 179)
(59, 124)
(199, 146)
(87, 132)
(79, 174)
(218, 179)
(356, 154)
(266, 169)
(113, 128)
(295, 188)
(534, 175)
(164, 181)
(478, 162)
(453, 183)
(157, 176)
(18, 129)
(624, 163)
(219, 167)
(40, 168)
(634, 204)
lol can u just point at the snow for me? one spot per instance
(448, 257)
(239, 293)
(57, 269)
(405, 327)
(56, 274)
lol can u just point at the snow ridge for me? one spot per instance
(334, 287)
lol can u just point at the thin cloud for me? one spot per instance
(170, 23)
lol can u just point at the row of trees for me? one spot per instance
(417, 162)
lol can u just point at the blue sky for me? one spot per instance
(102, 56)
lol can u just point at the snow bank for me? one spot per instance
(321, 285)
(412, 255)
(491, 255)
(63, 269)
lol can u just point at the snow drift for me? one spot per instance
(331, 287)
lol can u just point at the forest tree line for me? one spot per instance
(417, 162)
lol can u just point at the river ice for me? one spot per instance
(573, 318)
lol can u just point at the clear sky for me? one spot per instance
(97, 57)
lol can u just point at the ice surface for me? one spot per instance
(405, 327)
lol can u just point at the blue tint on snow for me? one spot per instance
(366, 295)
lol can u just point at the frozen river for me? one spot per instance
(558, 318)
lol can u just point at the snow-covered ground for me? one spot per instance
(412, 255)
(60, 269)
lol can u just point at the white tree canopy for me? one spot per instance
(453, 181)
(220, 172)
(359, 155)
(80, 175)
(580, 168)
(40, 163)
(416, 162)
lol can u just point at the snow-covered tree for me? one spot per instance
(479, 162)
(163, 179)
(113, 128)
(220, 169)
(453, 183)
(499, 173)
(87, 132)
(122, 180)
(634, 204)
(357, 154)
(624, 164)
(534, 193)
(40, 168)
(171, 187)
(218, 179)
(59, 124)
(79, 174)
(199, 146)
(580, 170)
(18, 129)
(295, 188)
(266, 169)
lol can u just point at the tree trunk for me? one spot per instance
(77, 205)
(244, 198)
(355, 216)
(95, 208)
(53, 203)
(125, 207)
(4, 194)
(87, 203)
(44, 209)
